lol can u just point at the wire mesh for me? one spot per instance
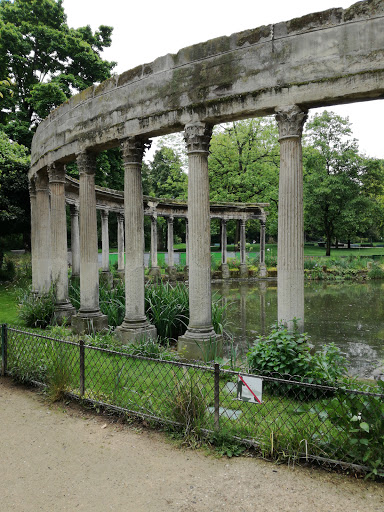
(294, 419)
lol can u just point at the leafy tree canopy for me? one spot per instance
(337, 204)
(46, 60)
(166, 178)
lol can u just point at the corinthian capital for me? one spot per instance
(86, 162)
(133, 149)
(291, 120)
(56, 173)
(197, 137)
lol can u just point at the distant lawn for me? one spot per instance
(8, 305)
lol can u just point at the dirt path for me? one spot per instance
(66, 459)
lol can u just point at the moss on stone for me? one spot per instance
(253, 36)
(313, 20)
(130, 75)
(105, 86)
(363, 9)
(203, 50)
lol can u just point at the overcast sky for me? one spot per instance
(149, 29)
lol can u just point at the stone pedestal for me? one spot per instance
(225, 273)
(89, 318)
(290, 256)
(243, 271)
(135, 325)
(200, 336)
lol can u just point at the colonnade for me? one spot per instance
(49, 242)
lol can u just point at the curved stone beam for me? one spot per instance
(326, 58)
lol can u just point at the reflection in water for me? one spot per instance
(348, 314)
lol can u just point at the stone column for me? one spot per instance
(105, 277)
(224, 258)
(243, 264)
(43, 234)
(186, 268)
(120, 243)
(89, 318)
(59, 251)
(75, 240)
(290, 255)
(171, 263)
(34, 235)
(263, 268)
(154, 270)
(135, 325)
(200, 339)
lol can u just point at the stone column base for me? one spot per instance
(88, 323)
(106, 278)
(172, 273)
(243, 270)
(129, 332)
(121, 273)
(64, 311)
(225, 271)
(263, 271)
(204, 346)
(155, 272)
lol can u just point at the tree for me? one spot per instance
(14, 197)
(335, 204)
(46, 60)
(167, 178)
(244, 165)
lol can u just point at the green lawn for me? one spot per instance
(8, 305)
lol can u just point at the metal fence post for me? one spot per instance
(217, 395)
(4, 343)
(82, 368)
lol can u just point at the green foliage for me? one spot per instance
(37, 311)
(225, 444)
(166, 177)
(58, 375)
(334, 176)
(244, 164)
(46, 60)
(8, 271)
(285, 353)
(376, 272)
(186, 404)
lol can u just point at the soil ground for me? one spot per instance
(64, 458)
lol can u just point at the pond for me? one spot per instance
(350, 314)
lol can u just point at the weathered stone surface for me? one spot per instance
(336, 56)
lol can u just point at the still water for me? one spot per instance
(349, 314)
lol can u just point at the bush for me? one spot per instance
(37, 310)
(286, 354)
(8, 272)
(376, 272)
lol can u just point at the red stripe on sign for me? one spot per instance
(243, 381)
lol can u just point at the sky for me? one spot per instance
(146, 30)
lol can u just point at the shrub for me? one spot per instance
(37, 310)
(376, 272)
(287, 354)
(8, 272)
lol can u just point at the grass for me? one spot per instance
(8, 305)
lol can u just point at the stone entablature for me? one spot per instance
(326, 58)
(113, 200)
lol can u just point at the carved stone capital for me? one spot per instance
(291, 120)
(197, 137)
(133, 149)
(56, 173)
(74, 209)
(41, 182)
(104, 214)
(86, 162)
(32, 186)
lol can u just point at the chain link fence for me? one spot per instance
(278, 415)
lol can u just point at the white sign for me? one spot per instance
(249, 389)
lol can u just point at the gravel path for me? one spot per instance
(63, 458)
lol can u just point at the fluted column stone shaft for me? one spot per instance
(135, 324)
(120, 242)
(290, 264)
(34, 235)
(89, 317)
(171, 262)
(43, 233)
(59, 249)
(263, 268)
(186, 242)
(104, 241)
(200, 329)
(75, 240)
(224, 254)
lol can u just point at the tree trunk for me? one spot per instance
(328, 246)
